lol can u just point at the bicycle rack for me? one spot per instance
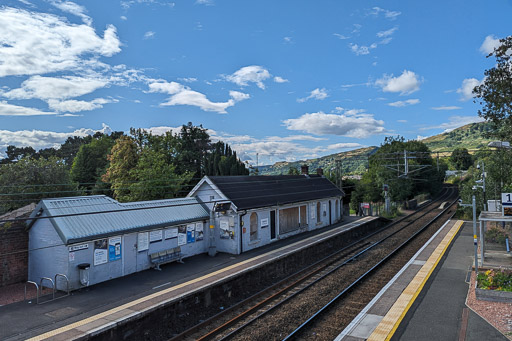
(67, 285)
(53, 285)
(37, 291)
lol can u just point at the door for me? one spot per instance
(330, 213)
(272, 224)
(129, 253)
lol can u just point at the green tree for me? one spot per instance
(30, 180)
(91, 162)
(293, 171)
(123, 158)
(461, 159)
(387, 166)
(495, 91)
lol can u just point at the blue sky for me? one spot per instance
(288, 80)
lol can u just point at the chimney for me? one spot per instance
(320, 171)
(304, 170)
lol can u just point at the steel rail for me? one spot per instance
(365, 275)
(334, 257)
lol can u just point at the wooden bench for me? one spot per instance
(166, 256)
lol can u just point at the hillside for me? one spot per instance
(470, 136)
(353, 162)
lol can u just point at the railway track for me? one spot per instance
(295, 304)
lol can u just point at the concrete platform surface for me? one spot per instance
(426, 299)
(97, 307)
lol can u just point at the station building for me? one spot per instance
(252, 211)
(91, 239)
(116, 242)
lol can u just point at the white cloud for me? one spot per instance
(287, 40)
(447, 107)
(455, 122)
(466, 90)
(123, 17)
(489, 44)
(73, 106)
(278, 79)
(387, 33)
(39, 43)
(407, 83)
(183, 95)
(402, 121)
(205, 2)
(39, 139)
(319, 94)
(341, 36)
(55, 88)
(7, 109)
(188, 79)
(149, 35)
(350, 124)
(348, 145)
(73, 8)
(399, 104)
(250, 74)
(361, 49)
(391, 15)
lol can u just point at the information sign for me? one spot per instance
(506, 204)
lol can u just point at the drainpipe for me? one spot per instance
(212, 250)
(241, 223)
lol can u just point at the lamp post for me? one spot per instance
(482, 181)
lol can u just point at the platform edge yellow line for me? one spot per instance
(455, 229)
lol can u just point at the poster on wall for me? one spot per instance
(264, 223)
(191, 236)
(142, 241)
(182, 235)
(324, 209)
(171, 233)
(313, 210)
(114, 248)
(100, 252)
(224, 229)
(199, 231)
(155, 236)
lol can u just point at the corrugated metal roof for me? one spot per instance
(86, 220)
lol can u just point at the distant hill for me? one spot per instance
(470, 136)
(353, 162)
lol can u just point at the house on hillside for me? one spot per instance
(108, 239)
(252, 211)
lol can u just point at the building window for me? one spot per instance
(318, 216)
(254, 226)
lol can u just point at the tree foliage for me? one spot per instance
(29, 180)
(495, 91)
(387, 166)
(461, 159)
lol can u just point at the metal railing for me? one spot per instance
(37, 291)
(67, 285)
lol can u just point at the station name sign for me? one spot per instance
(506, 204)
(78, 247)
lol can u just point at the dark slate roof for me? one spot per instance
(261, 191)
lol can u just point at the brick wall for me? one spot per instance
(13, 254)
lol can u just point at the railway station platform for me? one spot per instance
(426, 300)
(99, 308)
